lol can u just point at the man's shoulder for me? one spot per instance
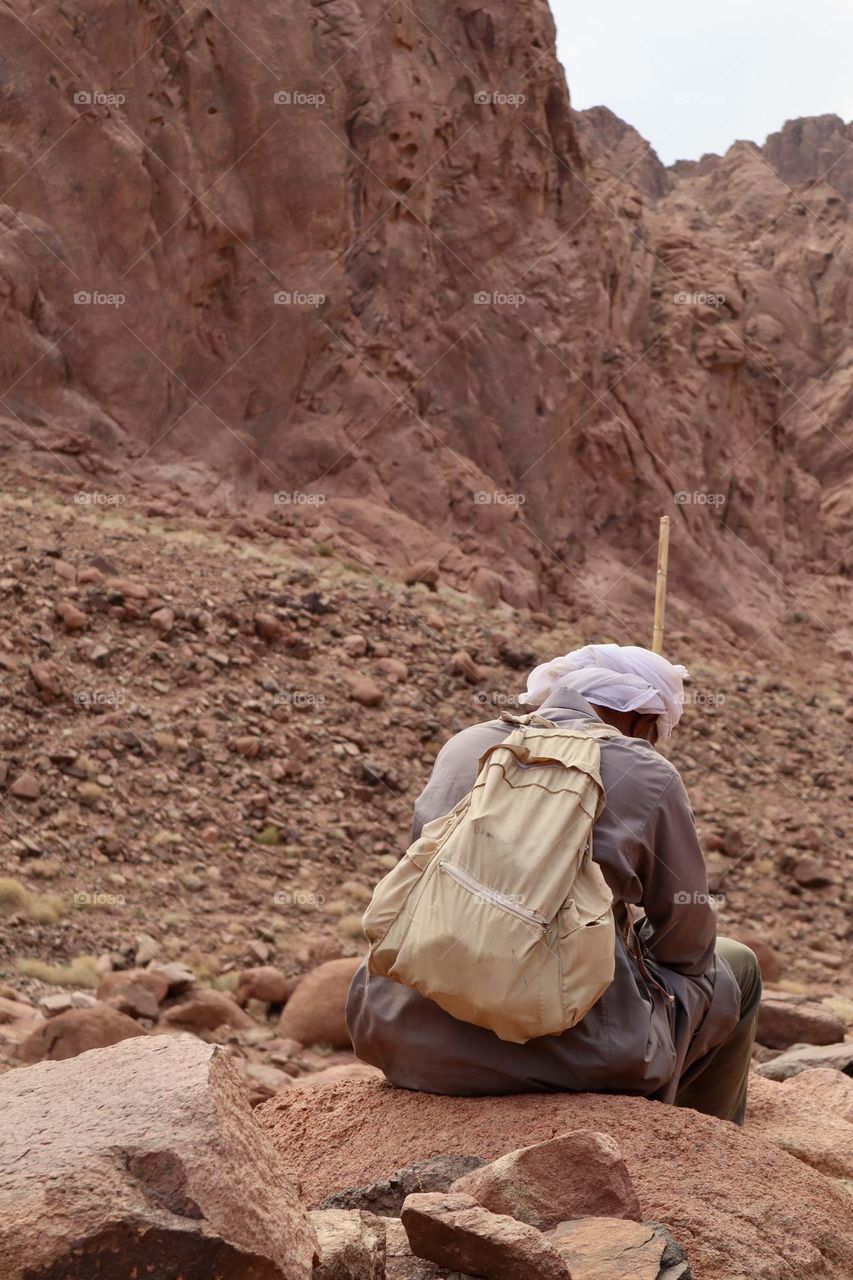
(624, 756)
(475, 738)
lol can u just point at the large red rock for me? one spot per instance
(580, 1174)
(314, 1013)
(739, 1205)
(784, 1020)
(810, 1115)
(77, 1031)
(143, 1159)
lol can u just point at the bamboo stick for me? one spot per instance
(660, 585)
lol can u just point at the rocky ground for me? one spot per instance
(213, 733)
(361, 1181)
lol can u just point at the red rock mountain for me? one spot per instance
(506, 337)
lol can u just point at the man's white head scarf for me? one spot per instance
(622, 677)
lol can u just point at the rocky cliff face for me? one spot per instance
(362, 268)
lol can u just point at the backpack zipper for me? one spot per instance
(497, 899)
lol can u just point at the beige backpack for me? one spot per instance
(498, 912)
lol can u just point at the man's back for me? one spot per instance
(636, 1037)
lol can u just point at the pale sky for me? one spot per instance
(694, 75)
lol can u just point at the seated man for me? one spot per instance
(677, 1023)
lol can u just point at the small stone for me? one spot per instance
(462, 664)
(267, 626)
(162, 620)
(205, 1010)
(54, 1004)
(394, 670)
(26, 787)
(136, 992)
(180, 977)
(45, 679)
(355, 646)
(147, 949)
(127, 589)
(272, 1078)
(453, 1231)
(811, 874)
(82, 1000)
(351, 1245)
(264, 983)
(424, 571)
(364, 690)
(787, 1020)
(73, 618)
(807, 1057)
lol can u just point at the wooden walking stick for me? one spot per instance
(660, 585)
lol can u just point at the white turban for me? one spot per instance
(622, 677)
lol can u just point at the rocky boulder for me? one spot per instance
(264, 983)
(77, 1031)
(314, 1014)
(576, 1175)
(607, 1248)
(453, 1231)
(806, 1057)
(739, 1205)
(784, 1020)
(205, 1010)
(143, 1157)
(810, 1115)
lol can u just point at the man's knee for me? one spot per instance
(743, 963)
